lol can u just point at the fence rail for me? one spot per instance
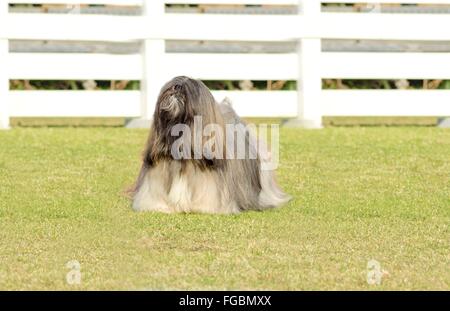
(153, 66)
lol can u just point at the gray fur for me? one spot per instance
(202, 185)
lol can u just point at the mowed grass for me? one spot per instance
(360, 194)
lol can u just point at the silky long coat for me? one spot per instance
(212, 182)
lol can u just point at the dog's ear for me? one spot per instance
(214, 152)
(150, 152)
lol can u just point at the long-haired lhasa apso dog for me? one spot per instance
(201, 171)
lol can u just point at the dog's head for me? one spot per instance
(181, 99)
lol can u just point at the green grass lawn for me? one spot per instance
(360, 194)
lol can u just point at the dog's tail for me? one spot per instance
(270, 194)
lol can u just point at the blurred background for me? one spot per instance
(219, 47)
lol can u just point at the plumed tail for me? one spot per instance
(271, 195)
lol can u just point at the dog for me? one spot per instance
(178, 176)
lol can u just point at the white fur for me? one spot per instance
(191, 190)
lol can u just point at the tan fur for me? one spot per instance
(191, 191)
(209, 183)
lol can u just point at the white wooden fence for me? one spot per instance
(154, 66)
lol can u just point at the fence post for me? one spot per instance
(309, 83)
(153, 52)
(4, 77)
